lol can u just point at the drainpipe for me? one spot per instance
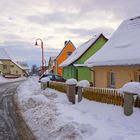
(93, 76)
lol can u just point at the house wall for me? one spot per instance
(15, 70)
(6, 66)
(84, 73)
(62, 57)
(69, 72)
(92, 50)
(1, 68)
(122, 75)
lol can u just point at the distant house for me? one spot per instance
(9, 67)
(24, 66)
(63, 55)
(51, 64)
(73, 67)
(1, 67)
(118, 62)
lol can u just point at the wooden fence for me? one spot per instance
(109, 96)
(103, 95)
(137, 102)
(60, 86)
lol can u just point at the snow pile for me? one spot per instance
(45, 79)
(132, 87)
(83, 83)
(2, 79)
(71, 81)
(51, 117)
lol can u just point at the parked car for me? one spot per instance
(52, 77)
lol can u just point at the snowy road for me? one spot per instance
(7, 120)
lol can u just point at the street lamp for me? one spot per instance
(43, 67)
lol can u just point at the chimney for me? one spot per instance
(65, 43)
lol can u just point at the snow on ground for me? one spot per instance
(4, 80)
(52, 117)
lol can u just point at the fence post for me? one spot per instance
(79, 92)
(128, 103)
(71, 89)
(44, 85)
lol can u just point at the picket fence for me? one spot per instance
(102, 95)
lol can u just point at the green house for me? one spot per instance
(74, 67)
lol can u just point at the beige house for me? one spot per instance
(1, 67)
(17, 70)
(8, 67)
(118, 62)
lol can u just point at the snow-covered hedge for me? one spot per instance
(132, 87)
(71, 81)
(83, 83)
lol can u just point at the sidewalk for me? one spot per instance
(51, 117)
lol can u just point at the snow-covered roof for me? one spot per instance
(123, 48)
(79, 65)
(18, 65)
(3, 54)
(79, 51)
(23, 65)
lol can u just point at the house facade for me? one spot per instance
(74, 66)
(1, 67)
(9, 67)
(63, 55)
(118, 62)
(16, 70)
(115, 76)
(51, 64)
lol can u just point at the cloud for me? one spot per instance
(81, 32)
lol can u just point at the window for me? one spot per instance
(16, 71)
(112, 79)
(12, 66)
(4, 66)
(69, 53)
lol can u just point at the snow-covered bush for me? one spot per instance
(83, 83)
(132, 87)
(45, 79)
(71, 81)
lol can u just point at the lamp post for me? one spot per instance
(43, 67)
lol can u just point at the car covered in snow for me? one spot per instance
(52, 77)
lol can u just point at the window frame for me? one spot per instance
(112, 79)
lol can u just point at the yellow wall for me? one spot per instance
(15, 70)
(122, 75)
(6, 66)
(1, 68)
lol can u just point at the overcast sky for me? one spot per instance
(55, 21)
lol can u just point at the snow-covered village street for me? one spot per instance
(70, 70)
(51, 116)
